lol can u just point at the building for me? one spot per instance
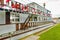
(43, 13)
(56, 20)
(18, 16)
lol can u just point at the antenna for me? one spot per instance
(44, 5)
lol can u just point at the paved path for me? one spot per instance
(33, 37)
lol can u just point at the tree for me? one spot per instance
(59, 18)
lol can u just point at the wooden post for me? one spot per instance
(21, 27)
(30, 24)
(17, 27)
(26, 26)
(33, 24)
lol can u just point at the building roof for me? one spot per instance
(41, 8)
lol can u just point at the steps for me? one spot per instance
(24, 25)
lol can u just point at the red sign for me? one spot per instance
(17, 6)
(7, 1)
(25, 8)
(13, 5)
(33, 11)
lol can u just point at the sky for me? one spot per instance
(52, 5)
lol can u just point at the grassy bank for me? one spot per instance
(52, 34)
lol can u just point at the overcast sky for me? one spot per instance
(52, 5)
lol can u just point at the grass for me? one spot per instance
(52, 34)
